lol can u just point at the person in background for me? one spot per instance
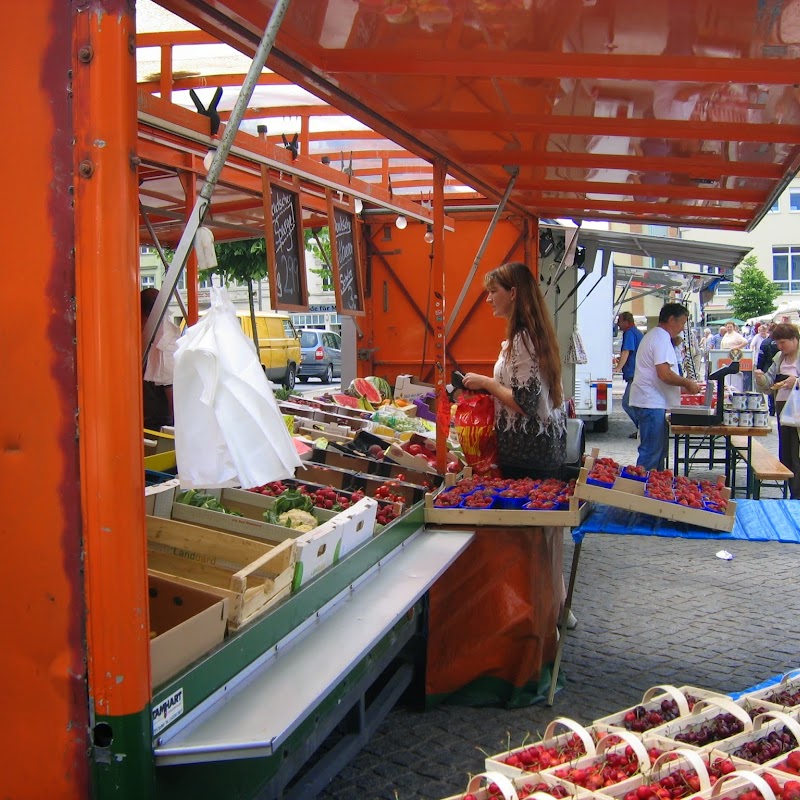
(733, 340)
(746, 328)
(769, 349)
(755, 342)
(677, 343)
(631, 336)
(716, 338)
(157, 379)
(657, 385)
(779, 379)
(530, 419)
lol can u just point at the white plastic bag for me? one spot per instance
(229, 430)
(790, 416)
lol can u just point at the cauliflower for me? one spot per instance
(298, 520)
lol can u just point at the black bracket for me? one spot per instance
(210, 112)
(293, 147)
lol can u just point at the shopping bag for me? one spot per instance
(790, 416)
(229, 430)
(474, 424)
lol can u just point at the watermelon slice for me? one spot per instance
(345, 400)
(382, 385)
(363, 388)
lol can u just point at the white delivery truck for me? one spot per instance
(595, 322)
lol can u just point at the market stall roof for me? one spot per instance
(670, 111)
(663, 249)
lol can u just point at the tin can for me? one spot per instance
(753, 400)
(760, 419)
(739, 401)
(730, 418)
(746, 419)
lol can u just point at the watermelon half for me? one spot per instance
(345, 400)
(363, 388)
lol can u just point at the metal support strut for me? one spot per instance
(195, 219)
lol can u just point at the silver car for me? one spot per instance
(321, 355)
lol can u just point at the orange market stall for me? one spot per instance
(684, 115)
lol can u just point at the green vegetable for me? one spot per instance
(286, 501)
(191, 497)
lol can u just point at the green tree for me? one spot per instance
(244, 262)
(318, 241)
(753, 292)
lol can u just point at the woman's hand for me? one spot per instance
(788, 383)
(477, 383)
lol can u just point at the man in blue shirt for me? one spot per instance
(631, 336)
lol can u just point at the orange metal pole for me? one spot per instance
(437, 283)
(109, 418)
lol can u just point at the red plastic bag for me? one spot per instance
(474, 423)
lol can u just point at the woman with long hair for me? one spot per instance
(530, 419)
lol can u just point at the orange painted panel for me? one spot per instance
(396, 323)
(43, 666)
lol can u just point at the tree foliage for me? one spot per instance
(244, 262)
(318, 241)
(753, 292)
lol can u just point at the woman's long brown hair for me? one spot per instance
(530, 314)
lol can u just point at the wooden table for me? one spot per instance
(684, 433)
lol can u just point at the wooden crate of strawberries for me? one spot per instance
(705, 504)
(498, 502)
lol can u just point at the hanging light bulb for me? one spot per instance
(429, 234)
(359, 206)
(208, 158)
(401, 222)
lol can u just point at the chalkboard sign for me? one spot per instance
(344, 250)
(286, 249)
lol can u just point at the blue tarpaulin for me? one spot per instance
(756, 521)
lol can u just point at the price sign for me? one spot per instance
(344, 253)
(286, 249)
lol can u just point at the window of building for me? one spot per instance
(786, 267)
(794, 201)
(148, 281)
(146, 250)
(776, 207)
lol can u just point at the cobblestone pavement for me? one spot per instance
(649, 610)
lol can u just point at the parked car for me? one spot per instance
(278, 344)
(321, 355)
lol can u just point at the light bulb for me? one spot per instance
(401, 222)
(359, 206)
(429, 235)
(208, 158)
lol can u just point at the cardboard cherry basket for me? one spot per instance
(707, 768)
(613, 762)
(755, 746)
(737, 783)
(703, 715)
(490, 785)
(574, 742)
(645, 716)
(785, 694)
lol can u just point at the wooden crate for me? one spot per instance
(254, 575)
(629, 494)
(495, 517)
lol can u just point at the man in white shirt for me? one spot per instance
(657, 385)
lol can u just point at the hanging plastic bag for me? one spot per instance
(790, 415)
(229, 430)
(474, 424)
(576, 353)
